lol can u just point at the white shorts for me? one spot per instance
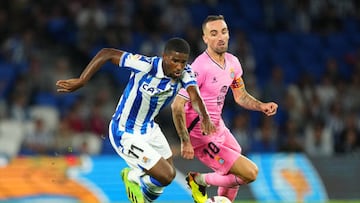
(140, 151)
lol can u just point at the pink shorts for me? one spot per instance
(218, 151)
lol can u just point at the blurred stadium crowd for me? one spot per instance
(302, 54)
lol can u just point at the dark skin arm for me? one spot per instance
(104, 55)
(178, 114)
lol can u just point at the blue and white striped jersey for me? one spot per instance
(148, 91)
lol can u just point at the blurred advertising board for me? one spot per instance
(287, 178)
(70, 179)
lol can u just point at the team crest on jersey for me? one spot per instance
(145, 159)
(220, 160)
(232, 73)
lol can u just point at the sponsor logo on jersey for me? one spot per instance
(150, 89)
(214, 80)
(153, 90)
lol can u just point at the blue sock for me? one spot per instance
(151, 188)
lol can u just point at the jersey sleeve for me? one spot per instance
(183, 93)
(200, 75)
(238, 81)
(188, 79)
(135, 62)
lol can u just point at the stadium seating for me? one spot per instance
(49, 114)
(11, 136)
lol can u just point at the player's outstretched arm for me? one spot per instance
(244, 99)
(104, 55)
(178, 115)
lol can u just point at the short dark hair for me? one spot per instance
(178, 45)
(211, 18)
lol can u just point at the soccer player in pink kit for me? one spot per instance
(216, 70)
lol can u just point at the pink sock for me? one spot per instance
(228, 180)
(230, 193)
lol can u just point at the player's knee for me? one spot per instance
(252, 174)
(169, 177)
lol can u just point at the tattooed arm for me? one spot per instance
(244, 99)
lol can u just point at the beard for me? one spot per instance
(221, 49)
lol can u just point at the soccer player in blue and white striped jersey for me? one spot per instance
(153, 83)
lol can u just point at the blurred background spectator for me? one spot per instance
(38, 139)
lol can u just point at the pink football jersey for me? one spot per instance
(214, 82)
